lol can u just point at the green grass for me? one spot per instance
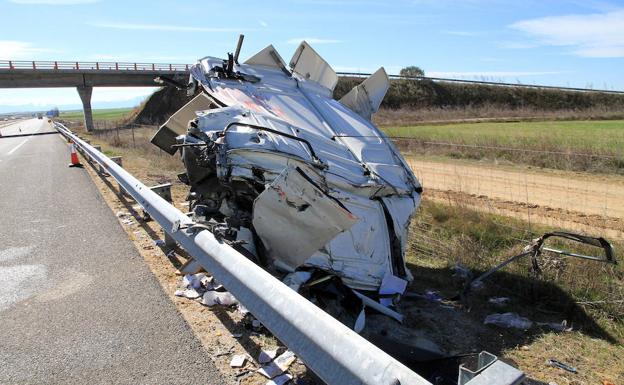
(448, 234)
(601, 137)
(100, 114)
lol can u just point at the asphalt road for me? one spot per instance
(77, 302)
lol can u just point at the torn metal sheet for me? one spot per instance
(290, 177)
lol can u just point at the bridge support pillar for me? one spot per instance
(85, 95)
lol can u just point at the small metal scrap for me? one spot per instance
(561, 365)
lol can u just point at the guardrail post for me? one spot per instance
(118, 161)
(77, 66)
(11, 65)
(97, 65)
(55, 65)
(100, 168)
(135, 66)
(117, 66)
(170, 67)
(153, 67)
(164, 191)
(34, 66)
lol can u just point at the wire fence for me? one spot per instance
(592, 203)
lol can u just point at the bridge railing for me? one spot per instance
(98, 66)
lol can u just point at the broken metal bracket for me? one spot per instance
(489, 371)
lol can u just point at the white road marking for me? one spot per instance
(18, 146)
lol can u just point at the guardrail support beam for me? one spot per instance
(163, 191)
(85, 95)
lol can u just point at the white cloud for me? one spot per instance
(312, 40)
(594, 35)
(164, 27)
(13, 49)
(54, 2)
(263, 23)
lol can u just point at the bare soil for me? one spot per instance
(579, 201)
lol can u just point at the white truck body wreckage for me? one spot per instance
(298, 180)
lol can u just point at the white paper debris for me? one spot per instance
(212, 298)
(238, 360)
(242, 309)
(267, 356)
(280, 380)
(187, 293)
(279, 366)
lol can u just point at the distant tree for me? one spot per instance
(412, 71)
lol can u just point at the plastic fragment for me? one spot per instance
(508, 320)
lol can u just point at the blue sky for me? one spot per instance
(556, 42)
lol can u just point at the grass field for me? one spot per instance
(605, 136)
(594, 146)
(588, 295)
(100, 114)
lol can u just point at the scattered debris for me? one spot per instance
(432, 296)
(159, 242)
(212, 298)
(499, 301)
(238, 360)
(392, 287)
(508, 320)
(559, 327)
(189, 293)
(280, 380)
(561, 365)
(267, 356)
(279, 365)
(461, 272)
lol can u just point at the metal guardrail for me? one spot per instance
(334, 352)
(91, 66)
(481, 82)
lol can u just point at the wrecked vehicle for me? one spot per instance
(291, 177)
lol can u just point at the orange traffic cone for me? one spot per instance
(74, 156)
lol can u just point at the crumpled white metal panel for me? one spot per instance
(356, 164)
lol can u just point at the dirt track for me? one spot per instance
(533, 194)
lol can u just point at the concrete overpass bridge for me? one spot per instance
(86, 75)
